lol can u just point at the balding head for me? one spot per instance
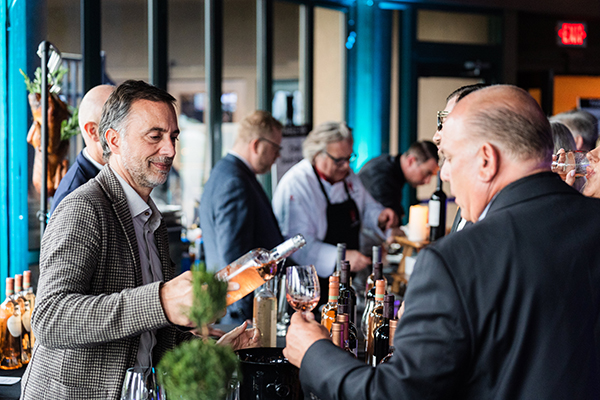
(90, 111)
(493, 137)
(510, 118)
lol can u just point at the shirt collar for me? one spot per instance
(242, 159)
(487, 208)
(87, 156)
(138, 206)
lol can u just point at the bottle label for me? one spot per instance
(434, 212)
(14, 326)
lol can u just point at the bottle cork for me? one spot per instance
(10, 286)
(18, 283)
(379, 289)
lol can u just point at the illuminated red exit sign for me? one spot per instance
(572, 34)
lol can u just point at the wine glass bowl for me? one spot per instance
(302, 287)
(140, 384)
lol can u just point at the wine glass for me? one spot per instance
(140, 384)
(303, 290)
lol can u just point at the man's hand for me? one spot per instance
(357, 260)
(302, 333)
(241, 338)
(176, 297)
(387, 219)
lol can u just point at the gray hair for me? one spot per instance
(116, 110)
(562, 137)
(580, 123)
(328, 132)
(518, 125)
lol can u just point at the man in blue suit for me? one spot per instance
(89, 161)
(235, 212)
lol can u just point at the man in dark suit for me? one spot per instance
(89, 161)
(507, 309)
(235, 212)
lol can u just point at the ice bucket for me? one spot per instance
(267, 375)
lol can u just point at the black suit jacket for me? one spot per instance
(507, 309)
(235, 217)
(79, 173)
(384, 180)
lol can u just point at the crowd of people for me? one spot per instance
(508, 306)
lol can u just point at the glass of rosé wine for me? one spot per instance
(303, 290)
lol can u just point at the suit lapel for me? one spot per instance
(162, 243)
(108, 181)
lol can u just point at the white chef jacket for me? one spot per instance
(301, 207)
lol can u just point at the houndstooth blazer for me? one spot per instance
(91, 306)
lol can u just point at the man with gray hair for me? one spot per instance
(107, 296)
(493, 311)
(583, 126)
(322, 198)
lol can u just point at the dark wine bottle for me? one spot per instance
(350, 333)
(437, 212)
(347, 291)
(393, 325)
(381, 342)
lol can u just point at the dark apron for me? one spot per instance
(343, 226)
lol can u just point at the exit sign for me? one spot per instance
(571, 34)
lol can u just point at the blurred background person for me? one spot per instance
(453, 98)
(384, 176)
(89, 161)
(324, 200)
(235, 212)
(583, 126)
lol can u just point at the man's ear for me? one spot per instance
(488, 162)
(254, 145)
(113, 138)
(411, 160)
(92, 130)
(578, 142)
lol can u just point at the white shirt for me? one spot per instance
(87, 156)
(301, 207)
(146, 219)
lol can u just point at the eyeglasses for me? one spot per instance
(278, 147)
(441, 117)
(339, 161)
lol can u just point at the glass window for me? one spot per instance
(454, 27)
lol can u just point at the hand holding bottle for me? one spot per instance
(387, 219)
(176, 297)
(302, 333)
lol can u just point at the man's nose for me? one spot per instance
(445, 173)
(167, 147)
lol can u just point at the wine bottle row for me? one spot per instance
(17, 339)
(378, 320)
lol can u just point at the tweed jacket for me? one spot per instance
(92, 307)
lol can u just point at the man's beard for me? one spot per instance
(144, 176)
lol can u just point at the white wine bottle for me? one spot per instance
(256, 267)
(265, 316)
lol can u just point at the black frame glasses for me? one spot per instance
(441, 117)
(341, 160)
(278, 147)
